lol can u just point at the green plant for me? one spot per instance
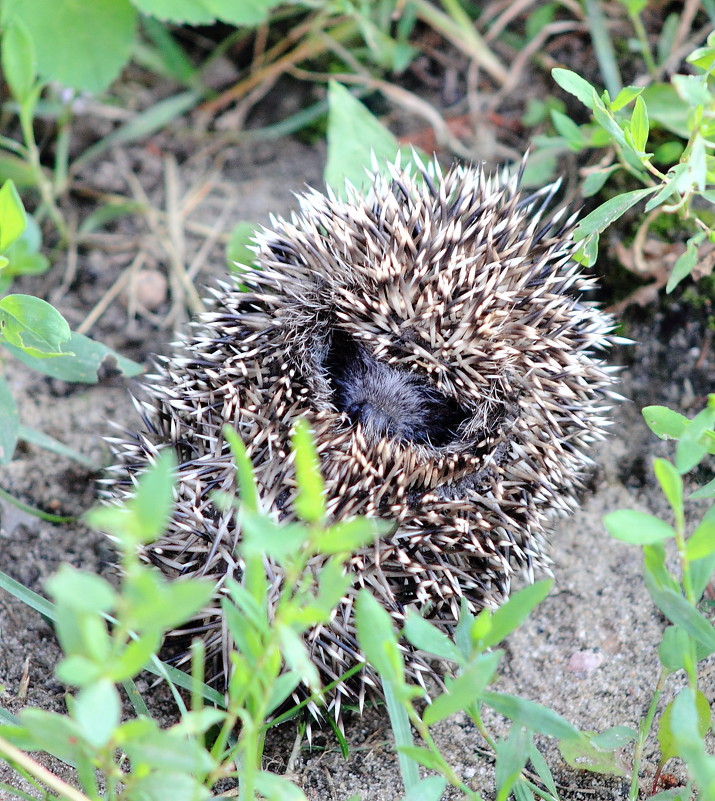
(35, 333)
(683, 107)
(270, 659)
(690, 637)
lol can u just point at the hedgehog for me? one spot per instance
(433, 331)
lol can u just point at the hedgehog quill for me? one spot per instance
(434, 334)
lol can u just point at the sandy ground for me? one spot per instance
(598, 607)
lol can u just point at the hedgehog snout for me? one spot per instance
(388, 402)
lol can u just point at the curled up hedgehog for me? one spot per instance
(434, 335)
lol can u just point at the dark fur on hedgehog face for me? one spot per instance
(388, 402)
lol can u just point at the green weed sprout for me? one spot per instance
(34, 332)
(690, 637)
(682, 116)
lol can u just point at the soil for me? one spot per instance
(589, 651)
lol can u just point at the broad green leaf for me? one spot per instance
(637, 528)
(599, 219)
(692, 447)
(431, 788)
(82, 45)
(625, 96)
(136, 656)
(569, 130)
(238, 251)
(675, 650)
(19, 62)
(54, 733)
(78, 671)
(464, 690)
(615, 737)
(33, 325)
(80, 591)
(310, 498)
(583, 754)
(701, 542)
(205, 12)
(686, 716)
(97, 712)
(278, 788)
(664, 422)
(594, 181)
(354, 136)
(685, 263)
(532, 715)
(9, 423)
(425, 636)
(83, 365)
(510, 615)
(706, 491)
(13, 219)
(574, 84)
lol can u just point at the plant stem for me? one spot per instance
(644, 731)
(645, 46)
(42, 774)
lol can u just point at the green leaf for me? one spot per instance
(687, 716)
(80, 360)
(675, 650)
(296, 655)
(685, 263)
(147, 122)
(532, 716)
(599, 219)
(349, 535)
(272, 786)
(136, 656)
(637, 528)
(664, 422)
(706, 491)
(569, 130)
(583, 754)
(615, 737)
(80, 591)
(431, 788)
(82, 45)
(354, 135)
(9, 423)
(19, 62)
(594, 181)
(575, 85)
(53, 445)
(672, 485)
(97, 712)
(679, 611)
(33, 325)
(692, 446)
(13, 219)
(238, 251)
(512, 754)
(377, 638)
(244, 470)
(640, 126)
(310, 498)
(54, 733)
(425, 636)
(464, 690)
(625, 96)
(701, 542)
(205, 12)
(514, 612)
(153, 500)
